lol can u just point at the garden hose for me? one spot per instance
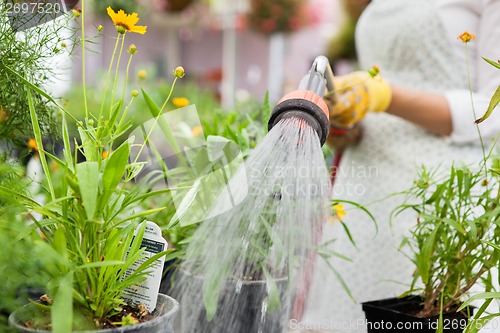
(307, 103)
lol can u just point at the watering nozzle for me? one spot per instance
(306, 103)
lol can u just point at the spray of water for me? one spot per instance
(244, 268)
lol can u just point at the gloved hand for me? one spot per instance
(355, 95)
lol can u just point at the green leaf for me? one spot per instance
(338, 277)
(39, 91)
(273, 294)
(493, 104)
(266, 109)
(38, 137)
(424, 258)
(88, 178)
(473, 229)
(496, 246)
(106, 263)
(112, 120)
(185, 205)
(493, 63)
(113, 172)
(485, 296)
(59, 243)
(454, 224)
(62, 308)
(153, 107)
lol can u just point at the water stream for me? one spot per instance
(246, 269)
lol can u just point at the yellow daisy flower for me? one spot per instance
(467, 37)
(337, 211)
(180, 102)
(126, 22)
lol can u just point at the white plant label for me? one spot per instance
(147, 291)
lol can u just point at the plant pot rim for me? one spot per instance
(161, 297)
(388, 304)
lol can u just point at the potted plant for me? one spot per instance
(21, 276)
(457, 213)
(90, 225)
(18, 52)
(482, 316)
(458, 216)
(244, 266)
(283, 16)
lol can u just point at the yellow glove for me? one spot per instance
(355, 95)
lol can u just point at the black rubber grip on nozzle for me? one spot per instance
(303, 109)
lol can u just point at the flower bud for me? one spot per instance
(179, 72)
(121, 29)
(132, 49)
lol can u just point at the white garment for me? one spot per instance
(415, 45)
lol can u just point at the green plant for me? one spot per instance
(91, 223)
(482, 317)
(21, 268)
(27, 52)
(458, 215)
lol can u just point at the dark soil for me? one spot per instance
(139, 314)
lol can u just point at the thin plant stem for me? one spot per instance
(125, 111)
(38, 138)
(156, 120)
(84, 79)
(117, 68)
(474, 112)
(126, 76)
(108, 76)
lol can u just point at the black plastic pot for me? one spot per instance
(164, 315)
(398, 315)
(246, 314)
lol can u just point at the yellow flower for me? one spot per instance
(142, 74)
(180, 102)
(467, 37)
(32, 144)
(374, 71)
(337, 211)
(126, 22)
(105, 154)
(197, 130)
